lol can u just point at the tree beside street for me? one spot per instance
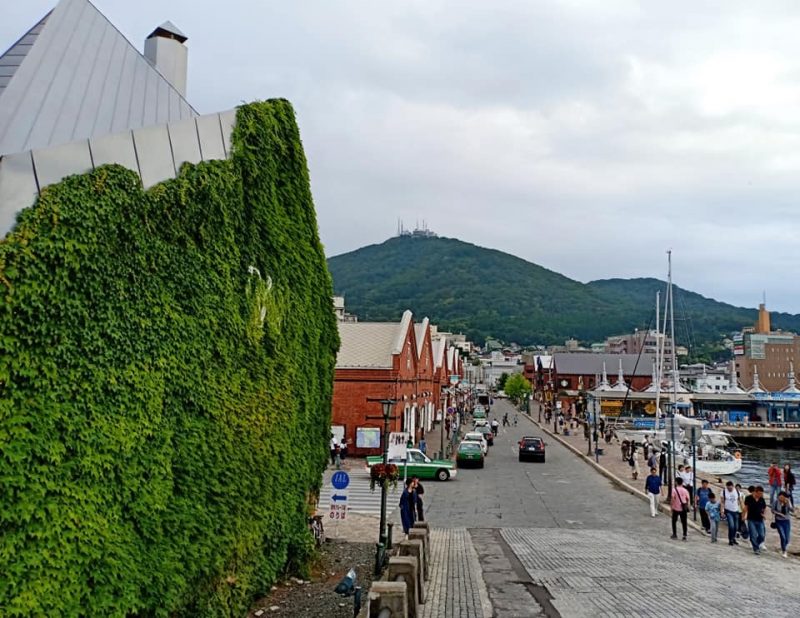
(517, 387)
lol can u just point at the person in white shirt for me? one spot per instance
(688, 480)
(333, 449)
(731, 510)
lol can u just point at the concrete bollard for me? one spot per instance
(414, 549)
(391, 596)
(421, 534)
(406, 569)
(423, 525)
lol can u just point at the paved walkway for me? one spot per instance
(456, 588)
(615, 573)
(612, 461)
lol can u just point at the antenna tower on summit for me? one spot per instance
(418, 232)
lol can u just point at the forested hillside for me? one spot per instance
(485, 292)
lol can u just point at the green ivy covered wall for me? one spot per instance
(166, 370)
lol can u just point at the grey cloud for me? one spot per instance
(585, 136)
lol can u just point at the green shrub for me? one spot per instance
(166, 367)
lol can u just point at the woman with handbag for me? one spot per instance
(679, 501)
(783, 509)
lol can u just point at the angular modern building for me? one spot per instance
(76, 94)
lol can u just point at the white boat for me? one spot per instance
(717, 438)
(711, 460)
(638, 435)
(718, 467)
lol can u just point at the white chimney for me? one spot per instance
(165, 50)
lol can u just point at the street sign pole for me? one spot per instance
(339, 497)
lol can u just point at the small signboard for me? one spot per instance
(398, 441)
(340, 479)
(368, 437)
(338, 506)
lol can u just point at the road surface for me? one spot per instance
(559, 539)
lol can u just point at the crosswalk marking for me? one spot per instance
(361, 499)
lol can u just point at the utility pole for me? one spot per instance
(380, 550)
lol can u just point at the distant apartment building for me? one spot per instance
(701, 379)
(644, 342)
(772, 354)
(497, 364)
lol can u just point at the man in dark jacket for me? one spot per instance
(419, 490)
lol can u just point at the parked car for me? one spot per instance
(477, 436)
(470, 454)
(419, 464)
(480, 422)
(479, 412)
(487, 434)
(531, 448)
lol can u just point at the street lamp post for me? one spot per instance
(380, 550)
(442, 425)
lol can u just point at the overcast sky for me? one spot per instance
(587, 137)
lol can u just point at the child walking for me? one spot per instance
(712, 509)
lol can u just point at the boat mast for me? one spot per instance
(672, 336)
(658, 364)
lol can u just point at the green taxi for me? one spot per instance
(419, 465)
(469, 454)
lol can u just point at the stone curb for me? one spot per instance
(610, 475)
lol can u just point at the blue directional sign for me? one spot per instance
(340, 480)
(338, 498)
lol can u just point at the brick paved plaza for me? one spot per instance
(559, 539)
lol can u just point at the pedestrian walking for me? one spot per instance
(700, 500)
(495, 426)
(679, 503)
(423, 445)
(712, 511)
(662, 463)
(788, 482)
(408, 505)
(505, 420)
(633, 462)
(743, 533)
(652, 487)
(688, 480)
(782, 511)
(337, 450)
(625, 450)
(333, 450)
(515, 420)
(731, 508)
(343, 449)
(420, 491)
(754, 507)
(775, 482)
(652, 461)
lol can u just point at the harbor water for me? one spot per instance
(755, 462)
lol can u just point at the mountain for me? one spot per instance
(484, 292)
